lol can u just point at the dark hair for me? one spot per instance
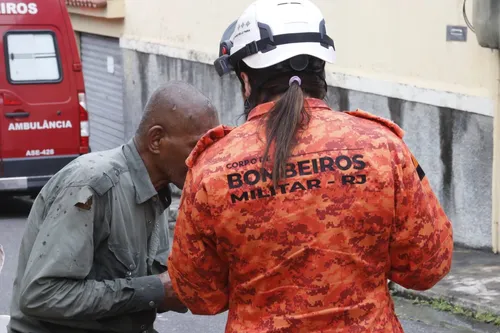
(289, 114)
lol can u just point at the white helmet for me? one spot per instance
(272, 31)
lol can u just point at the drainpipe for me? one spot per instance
(496, 175)
(486, 25)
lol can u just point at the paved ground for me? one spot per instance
(415, 319)
(473, 283)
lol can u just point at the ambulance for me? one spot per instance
(43, 118)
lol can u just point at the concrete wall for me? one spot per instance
(454, 147)
(378, 42)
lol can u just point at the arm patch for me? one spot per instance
(420, 171)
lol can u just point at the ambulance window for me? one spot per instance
(32, 57)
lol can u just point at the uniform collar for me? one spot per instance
(311, 103)
(144, 189)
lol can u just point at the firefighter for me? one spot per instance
(295, 220)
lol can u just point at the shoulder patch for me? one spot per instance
(420, 171)
(386, 122)
(212, 136)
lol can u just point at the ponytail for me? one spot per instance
(289, 113)
(283, 121)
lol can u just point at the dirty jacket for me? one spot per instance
(315, 253)
(95, 234)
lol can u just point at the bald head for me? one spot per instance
(178, 107)
(175, 118)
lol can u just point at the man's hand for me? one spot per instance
(171, 302)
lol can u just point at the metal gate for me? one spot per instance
(103, 75)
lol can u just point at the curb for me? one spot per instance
(431, 295)
(4, 321)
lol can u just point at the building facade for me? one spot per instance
(98, 27)
(412, 62)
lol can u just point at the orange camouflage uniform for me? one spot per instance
(315, 253)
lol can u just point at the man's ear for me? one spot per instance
(247, 89)
(155, 135)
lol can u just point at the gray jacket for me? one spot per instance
(96, 234)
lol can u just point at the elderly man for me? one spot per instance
(93, 254)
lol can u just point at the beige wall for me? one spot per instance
(387, 40)
(97, 25)
(406, 40)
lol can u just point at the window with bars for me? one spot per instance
(32, 57)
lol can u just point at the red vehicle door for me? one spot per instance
(1, 129)
(40, 113)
